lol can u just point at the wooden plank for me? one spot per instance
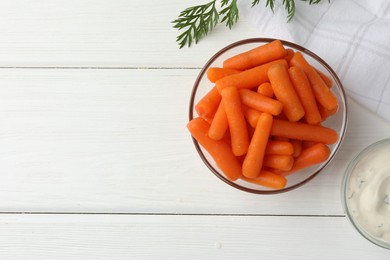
(82, 140)
(88, 33)
(181, 237)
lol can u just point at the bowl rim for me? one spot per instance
(345, 182)
(288, 44)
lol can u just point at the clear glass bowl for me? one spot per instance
(355, 178)
(338, 121)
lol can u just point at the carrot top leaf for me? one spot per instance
(290, 8)
(229, 13)
(197, 21)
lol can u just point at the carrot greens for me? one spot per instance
(197, 21)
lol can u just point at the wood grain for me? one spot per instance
(92, 140)
(87, 33)
(181, 237)
(93, 106)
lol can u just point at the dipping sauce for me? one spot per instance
(366, 193)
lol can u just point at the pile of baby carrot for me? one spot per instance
(263, 118)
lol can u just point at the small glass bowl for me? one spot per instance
(348, 186)
(338, 121)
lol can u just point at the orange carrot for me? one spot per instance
(307, 144)
(216, 73)
(313, 155)
(251, 130)
(227, 138)
(251, 115)
(285, 92)
(266, 90)
(280, 138)
(268, 179)
(303, 131)
(236, 120)
(321, 91)
(265, 53)
(328, 80)
(279, 147)
(208, 105)
(281, 116)
(305, 93)
(279, 162)
(219, 150)
(253, 162)
(325, 113)
(219, 125)
(289, 55)
(260, 102)
(250, 78)
(297, 144)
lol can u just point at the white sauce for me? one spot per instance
(368, 194)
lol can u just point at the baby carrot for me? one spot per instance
(280, 138)
(266, 89)
(281, 116)
(278, 162)
(305, 94)
(265, 53)
(253, 161)
(260, 102)
(307, 144)
(313, 155)
(289, 54)
(219, 125)
(303, 131)
(251, 115)
(208, 105)
(279, 147)
(328, 80)
(216, 73)
(297, 144)
(236, 120)
(325, 113)
(251, 130)
(268, 179)
(227, 138)
(219, 150)
(250, 78)
(284, 92)
(321, 91)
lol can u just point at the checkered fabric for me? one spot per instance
(352, 36)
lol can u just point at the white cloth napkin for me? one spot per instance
(352, 36)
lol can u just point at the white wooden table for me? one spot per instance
(96, 161)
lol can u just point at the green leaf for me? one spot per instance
(229, 13)
(290, 8)
(197, 21)
(255, 2)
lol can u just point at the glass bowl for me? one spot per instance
(365, 193)
(338, 121)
